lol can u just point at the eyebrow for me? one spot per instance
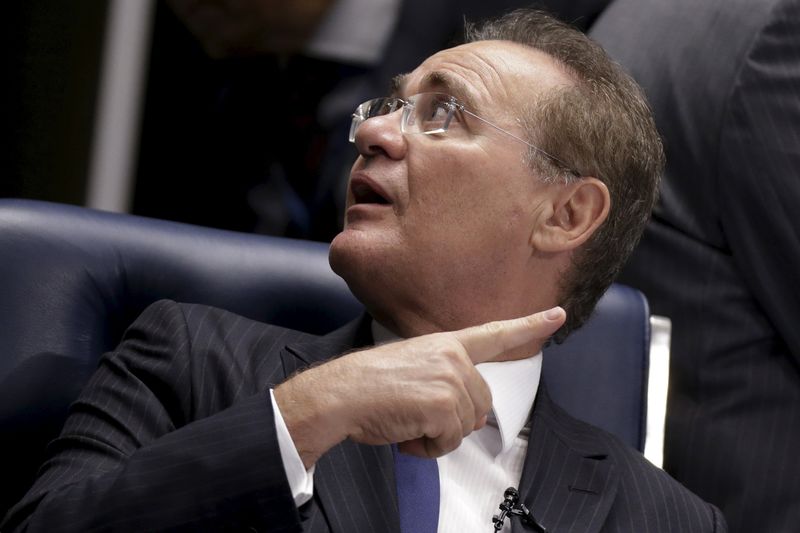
(398, 83)
(441, 81)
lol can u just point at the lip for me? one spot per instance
(360, 180)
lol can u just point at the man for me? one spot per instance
(722, 253)
(499, 179)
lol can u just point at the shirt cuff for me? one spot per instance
(301, 481)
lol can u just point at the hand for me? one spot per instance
(424, 393)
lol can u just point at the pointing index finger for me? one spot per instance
(487, 341)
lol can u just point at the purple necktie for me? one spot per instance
(417, 492)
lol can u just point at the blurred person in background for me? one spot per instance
(249, 102)
(721, 256)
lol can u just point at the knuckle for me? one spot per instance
(428, 427)
(481, 409)
(451, 441)
(451, 349)
(449, 352)
(493, 328)
(485, 398)
(450, 382)
(442, 400)
(467, 425)
(532, 322)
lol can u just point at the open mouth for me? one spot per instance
(366, 192)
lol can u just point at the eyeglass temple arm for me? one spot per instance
(520, 139)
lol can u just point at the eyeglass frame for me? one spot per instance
(407, 105)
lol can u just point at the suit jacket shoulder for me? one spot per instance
(174, 431)
(580, 478)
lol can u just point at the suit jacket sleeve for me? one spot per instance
(147, 448)
(759, 178)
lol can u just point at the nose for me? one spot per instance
(381, 136)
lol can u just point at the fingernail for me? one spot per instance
(554, 313)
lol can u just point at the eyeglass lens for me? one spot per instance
(422, 113)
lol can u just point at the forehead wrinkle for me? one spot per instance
(490, 76)
(486, 72)
(512, 73)
(451, 85)
(482, 74)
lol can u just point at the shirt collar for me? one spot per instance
(513, 384)
(381, 334)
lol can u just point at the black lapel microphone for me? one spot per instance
(512, 507)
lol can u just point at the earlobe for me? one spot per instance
(574, 215)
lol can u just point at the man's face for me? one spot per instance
(437, 227)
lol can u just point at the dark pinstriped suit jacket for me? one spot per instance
(721, 256)
(175, 432)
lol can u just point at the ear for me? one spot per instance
(575, 212)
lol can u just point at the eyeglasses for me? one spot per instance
(429, 114)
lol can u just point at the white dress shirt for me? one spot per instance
(473, 477)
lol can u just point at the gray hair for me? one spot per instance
(603, 127)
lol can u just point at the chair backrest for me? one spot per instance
(72, 279)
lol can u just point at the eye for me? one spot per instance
(436, 114)
(381, 106)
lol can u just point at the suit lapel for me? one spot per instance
(356, 488)
(354, 484)
(568, 481)
(311, 349)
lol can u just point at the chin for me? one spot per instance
(362, 247)
(351, 255)
(364, 263)
(339, 254)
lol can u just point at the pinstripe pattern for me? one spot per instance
(159, 434)
(722, 254)
(174, 433)
(580, 479)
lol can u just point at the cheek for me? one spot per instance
(470, 189)
(452, 180)
(467, 207)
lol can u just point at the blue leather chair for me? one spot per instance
(72, 279)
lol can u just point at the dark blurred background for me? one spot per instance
(51, 57)
(219, 113)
